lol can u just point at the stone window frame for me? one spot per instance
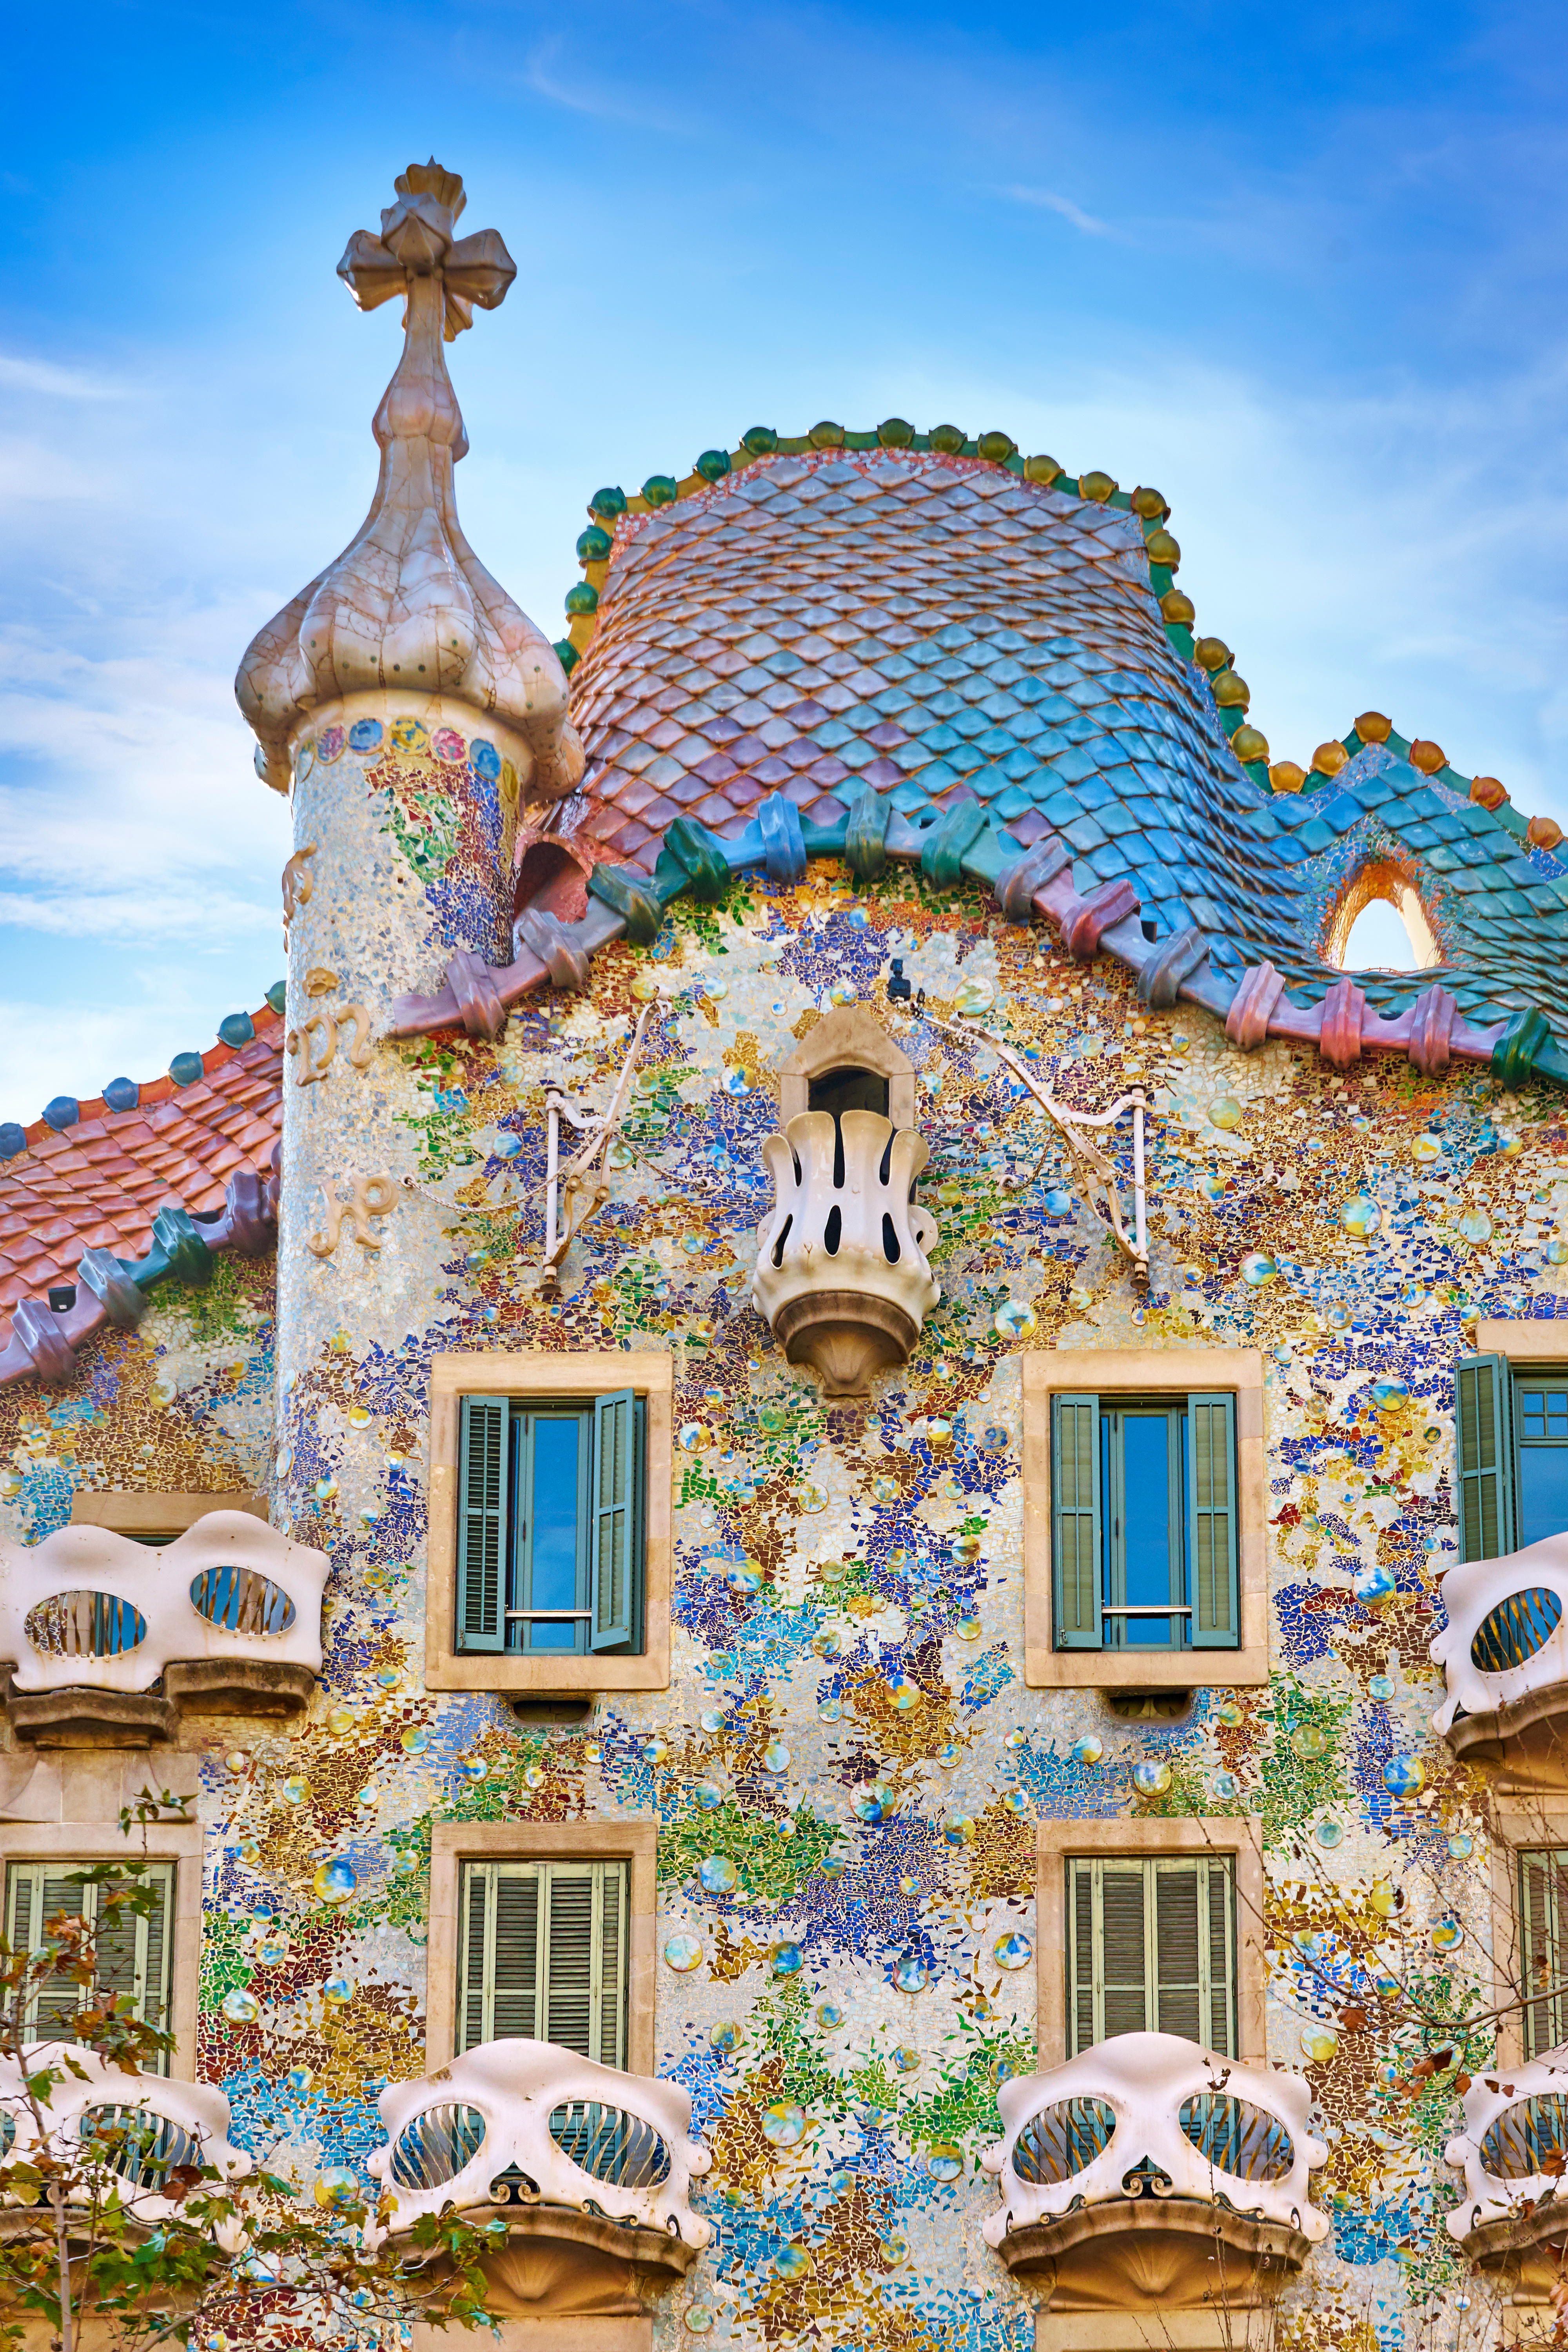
(156, 1515)
(634, 1840)
(850, 1038)
(1146, 1371)
(1524, 1817)
(1237, 1836)
(180, 1843)
(540, 1373)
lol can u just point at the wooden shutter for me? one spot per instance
(1124, 1962)
(482, 1532)
(499, 1993)
(543, 1956)
(1152, 1948)
(1081, 1963)
(132, 1951)
(1542, 1877)
(614, 1520)
(1485, 1417)
(1211, 1522)
(1075, 1509)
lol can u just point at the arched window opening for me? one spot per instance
(836, 1091)
(1381, 924)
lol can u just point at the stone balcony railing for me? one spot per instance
(842, 1275)
(110, 1641)
(1512, 2216)
(1504, 1653)
(589, 2170)
(1148, 2175)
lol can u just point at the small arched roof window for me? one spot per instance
(1380, 923)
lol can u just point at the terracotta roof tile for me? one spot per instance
(98, 1184)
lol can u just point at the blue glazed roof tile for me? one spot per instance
(1023, 650)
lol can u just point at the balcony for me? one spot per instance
(111, 1642)
(1147, 2179)
(1504, 1653)
(588, 2169)
(1512, 2216)
(842, 1275)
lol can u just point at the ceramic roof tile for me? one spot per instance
(96, 1185)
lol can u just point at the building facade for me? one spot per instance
(841, 1484)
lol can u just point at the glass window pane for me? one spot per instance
(1145, 1439)
(1542, 1492)
(554, 1549)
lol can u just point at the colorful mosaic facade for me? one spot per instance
(849, 1769)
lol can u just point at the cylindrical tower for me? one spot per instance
(407, 705)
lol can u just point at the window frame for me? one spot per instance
(1235, 1838)
(545, 1869)
(1145, 1373)
(634, 1841)
(57, 1866)
(1523, 1824)
(541, 1377)
(70, 1844)
(1527, 1349)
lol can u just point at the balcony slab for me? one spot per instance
(1155, 2254)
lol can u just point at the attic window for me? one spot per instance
(1381, 924)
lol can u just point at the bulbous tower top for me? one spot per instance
(408, 606)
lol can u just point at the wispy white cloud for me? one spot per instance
(549, 77)
(55, 381)
(1045, 200)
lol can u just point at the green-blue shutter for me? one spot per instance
(1484, 1415)
(1211, 1522)
(1075, 1514)
(482, 1524)
(614, 1508)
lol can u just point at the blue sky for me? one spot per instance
(1302, 270)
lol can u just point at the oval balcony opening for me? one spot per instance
(1062, 2140)
(1381, 923)
(436, 2147)
(1528, 2137)
(1236, 2138)
(1515, 1629)
(610, 2145)
(139, 2146)
(238, 1600)
(84, 1625)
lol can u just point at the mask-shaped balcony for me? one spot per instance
(841, 1266)
(589, 2171)
(1512, 2218)
(1504, 1653)
(110, 1641)
(140, 2129)
(1148, 2175)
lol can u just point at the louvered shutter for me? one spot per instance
(499, 1993)
(1125, 1949)
(131, 1952)
(1180, 1950)
(1075, 1510)
(1540, 1887)
(482, 1532)
(1082, 1986)
(571, 1959)
(614, 1520)
(1221, 2034)
(1211, 1522)
(1485, 1417)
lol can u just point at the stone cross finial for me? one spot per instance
(408, 609)
(416, 241)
